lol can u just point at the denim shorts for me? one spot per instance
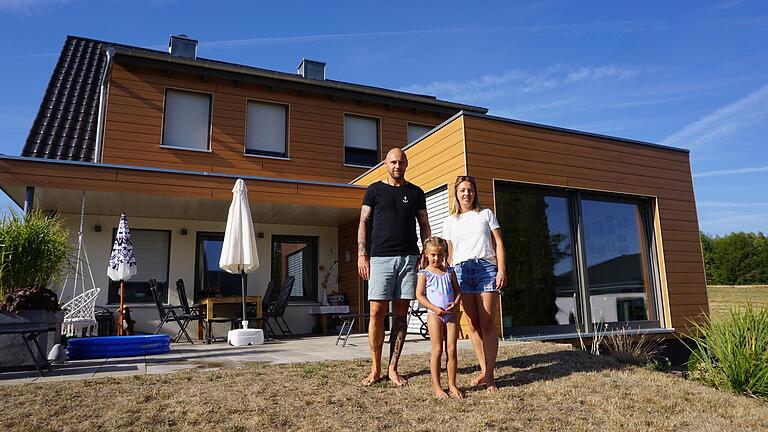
(476, 276)
(393, 278)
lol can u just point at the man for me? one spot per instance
(389, 212)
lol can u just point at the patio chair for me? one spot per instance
(170, 313)
(267, 302)
(200, 312)
(277, 309)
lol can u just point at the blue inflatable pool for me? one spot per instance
(117, 346)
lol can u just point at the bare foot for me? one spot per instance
(491, 386)
(479, 380)
(440, 393)
(372, 379)
(397, 379)
(455, 392)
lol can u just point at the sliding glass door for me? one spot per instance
(575, 261)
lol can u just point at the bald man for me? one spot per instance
(390, 211)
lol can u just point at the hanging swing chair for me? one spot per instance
(79, 315)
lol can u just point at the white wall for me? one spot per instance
(182, 263)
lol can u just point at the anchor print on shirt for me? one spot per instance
(405, 200)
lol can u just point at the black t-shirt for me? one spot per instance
(393, 214)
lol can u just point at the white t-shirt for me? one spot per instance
(470, 234)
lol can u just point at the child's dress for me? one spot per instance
(440, 290)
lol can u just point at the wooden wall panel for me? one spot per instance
(349, 281)
(528, 154)
(133, 131)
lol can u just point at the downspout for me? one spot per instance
(103, 105)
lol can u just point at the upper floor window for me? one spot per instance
(416, 131)
(266, 129)
(361, 140)
(187, 120)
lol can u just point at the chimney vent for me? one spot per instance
(182, 46)
(311, 69)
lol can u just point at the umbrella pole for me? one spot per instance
(243, 285)
(120, 331)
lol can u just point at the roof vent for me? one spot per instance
(182, 46)
(312, 69)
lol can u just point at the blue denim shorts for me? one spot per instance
(476, 276)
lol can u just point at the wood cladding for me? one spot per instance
(527, 154)
(133, 127)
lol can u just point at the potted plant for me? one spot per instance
(35, 252)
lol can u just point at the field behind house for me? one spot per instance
(724, 297)
(542, 387)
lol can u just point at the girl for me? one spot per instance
(437, 289)
(477, 253)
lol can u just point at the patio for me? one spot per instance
(215, 356)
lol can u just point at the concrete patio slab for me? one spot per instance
(220, 356)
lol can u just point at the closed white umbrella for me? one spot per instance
(238, 253)
(122, 262)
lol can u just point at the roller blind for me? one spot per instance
(416, 131)
(295, 264)
(151, 250)
(186, 121)
(361, 133)
(266, 128)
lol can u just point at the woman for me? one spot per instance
(476, 250)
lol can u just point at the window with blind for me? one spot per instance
(296, 256)
(187, 120)
(416, 131)
(361, 141)
(152, 250)
(266, 128)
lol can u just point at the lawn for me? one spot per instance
(723, 298)
(542, 387)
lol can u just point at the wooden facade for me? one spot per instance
(134, 122)
(489, 148)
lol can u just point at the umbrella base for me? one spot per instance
(244, 337)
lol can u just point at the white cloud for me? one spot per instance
(731, 171)
(523, 81)
(28, 6)
(747, 111)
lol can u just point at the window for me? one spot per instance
(210, 280)
(187, 120)
(361, 141)
(296, 256)
(152, 250)
(416, 131)
(558, 284)
(266, 129)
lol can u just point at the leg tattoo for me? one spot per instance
(397, 338)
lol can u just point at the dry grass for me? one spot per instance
(542, 387)
(723, 298)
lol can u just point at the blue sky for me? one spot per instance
(689, 74)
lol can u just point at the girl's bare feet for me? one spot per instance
(372, 379)
(440, 393)
(479, 380)
(455, 392)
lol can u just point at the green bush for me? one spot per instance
(34, 251)
(731, 353)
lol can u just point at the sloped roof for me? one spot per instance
(65, 126)
(66, 123)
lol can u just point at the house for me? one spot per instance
(599, 230)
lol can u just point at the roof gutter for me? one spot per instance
(110, 53)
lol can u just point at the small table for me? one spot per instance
(324, 311)
(225, 308)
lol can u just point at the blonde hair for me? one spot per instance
(437, 242)
(456, 210)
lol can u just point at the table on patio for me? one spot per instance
(323, 312)
(225, 307)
